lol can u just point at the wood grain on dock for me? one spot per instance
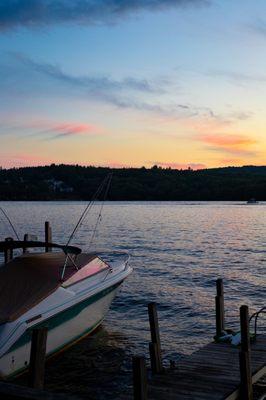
(211, 373)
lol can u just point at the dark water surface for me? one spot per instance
(178, 250)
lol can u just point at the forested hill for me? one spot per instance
(73, 182)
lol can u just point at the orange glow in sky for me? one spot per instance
(92, 88)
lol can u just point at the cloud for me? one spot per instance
(50, 130)
(173, 165)
(237, 144)
(237, 77)
(91, 83)
(226, 140)
(39, 13)
(24, 74)
(64, 130)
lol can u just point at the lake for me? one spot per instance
(178, 250)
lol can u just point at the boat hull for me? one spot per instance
(64, 329)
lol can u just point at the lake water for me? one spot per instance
(178, 250)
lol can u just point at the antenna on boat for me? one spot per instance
(9, 221)
(107, 182)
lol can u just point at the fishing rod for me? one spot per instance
(101, 209)
(9, 221)
(106, 181)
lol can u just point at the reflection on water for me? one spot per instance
(178, 251)
(98, 362)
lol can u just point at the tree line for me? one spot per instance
(75, 182)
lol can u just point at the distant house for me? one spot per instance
(59, 186)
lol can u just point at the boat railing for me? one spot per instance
(10, 244)
(125, 262)
(73, 261)
(108, 255)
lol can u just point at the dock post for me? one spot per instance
(246, 390)
(8, 252)
(37, 358)
(48, 236)
(140, 385)
(155, 344)
(219, 307)
(26, 239)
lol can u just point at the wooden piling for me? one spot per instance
(37, 358)
(155, 345)
(140, 386)
(8, 252)
(156, 358)
(219, 308)
(246, 390)
(48, 236)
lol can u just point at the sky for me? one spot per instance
(132, 83)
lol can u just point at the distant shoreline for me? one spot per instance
(78, 183)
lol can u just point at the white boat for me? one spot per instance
(67, 291)
(252, 201)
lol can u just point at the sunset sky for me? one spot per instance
(130, 83)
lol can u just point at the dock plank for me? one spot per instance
(210, 373)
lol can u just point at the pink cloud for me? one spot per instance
(68, 129)
(238, 144)
(226, 140)
(54, 130)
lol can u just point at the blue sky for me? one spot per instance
(132, 83)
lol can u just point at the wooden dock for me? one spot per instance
(211, 373)
(217, 371)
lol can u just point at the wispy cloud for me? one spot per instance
(28, 76)
(237, 77)
(236, 144)
(93, 84)
(64, 130)
(39, 13)
(127, 93)
(226, 140)
(47, 130)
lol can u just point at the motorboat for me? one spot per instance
(65, 290)
(252, 201)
